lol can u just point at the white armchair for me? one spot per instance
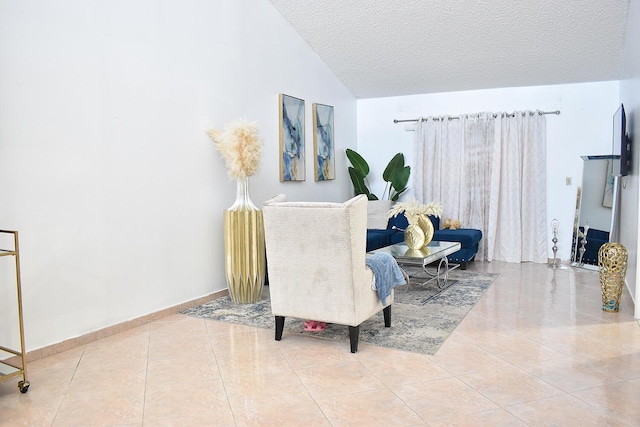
(316, 264)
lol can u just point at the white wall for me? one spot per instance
(105, 167)
(630, 194)
(584, 127)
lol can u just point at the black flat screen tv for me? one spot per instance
(621, 141)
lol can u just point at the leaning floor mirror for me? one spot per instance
(595, 218)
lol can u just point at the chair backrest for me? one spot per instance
(316, 255)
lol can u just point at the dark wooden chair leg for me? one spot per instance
(354, 334)
(463, 265)
(387, 316)
(279, 327)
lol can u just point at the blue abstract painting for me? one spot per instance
(323, 143)
(292, 166)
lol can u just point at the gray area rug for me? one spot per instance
(422, 316)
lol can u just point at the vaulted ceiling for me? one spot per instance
(401, 47)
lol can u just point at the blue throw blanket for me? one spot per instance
(387, 273)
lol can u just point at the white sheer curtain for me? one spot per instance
(490, 173)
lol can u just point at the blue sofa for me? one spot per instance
(468, 238)
(595, 239)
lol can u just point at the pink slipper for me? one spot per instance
(314, 326)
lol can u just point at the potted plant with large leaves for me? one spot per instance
(396, 176)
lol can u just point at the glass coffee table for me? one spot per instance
(433, 252)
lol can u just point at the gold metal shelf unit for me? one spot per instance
(11, 367)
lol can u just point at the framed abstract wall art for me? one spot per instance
(292, 166)
(323, 143)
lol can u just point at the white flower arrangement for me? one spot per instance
(240, 146)
(413, 209)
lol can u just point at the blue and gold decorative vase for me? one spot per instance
(612, 264)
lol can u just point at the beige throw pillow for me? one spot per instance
(377, 211)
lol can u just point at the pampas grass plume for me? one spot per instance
(413, 209)
(240, 146)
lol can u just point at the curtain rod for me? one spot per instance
(557, 112)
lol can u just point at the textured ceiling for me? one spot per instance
(401, 47)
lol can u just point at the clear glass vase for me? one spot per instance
(244, 249)
(243, 199)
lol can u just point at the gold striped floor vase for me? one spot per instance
(244, 249)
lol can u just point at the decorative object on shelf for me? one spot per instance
(396, 176)
(323, 143)
(612, 263)
(291, 138)
(417, 215)
(241, 148)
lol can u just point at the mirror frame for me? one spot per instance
(577, 247)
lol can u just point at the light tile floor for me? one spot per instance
(536, 350)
